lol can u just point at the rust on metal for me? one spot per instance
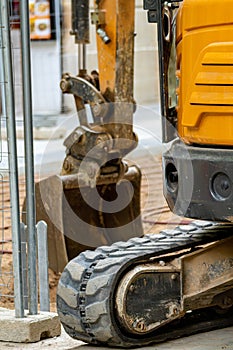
(74, 224)
(207, 273)
(115, 60)
(148, 296)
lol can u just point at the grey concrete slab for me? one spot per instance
(221, 339)
(31, 328)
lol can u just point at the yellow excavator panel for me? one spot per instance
(205, 72)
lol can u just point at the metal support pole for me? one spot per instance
(84, 57)
(43, 265)
(12, 148)
(57, 9)
(79, 58)
(24, 264)
(29, 161)
(2, 93)
(82, 65)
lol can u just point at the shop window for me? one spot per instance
(42, 19)
(41, 16)
(14, 14)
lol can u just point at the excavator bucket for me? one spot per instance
(76, 223)
(99, 203)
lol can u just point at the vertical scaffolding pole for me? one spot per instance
(29, 161)
(57, 14)
(2, 93)
(12, 148)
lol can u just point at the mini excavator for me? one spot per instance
(136, 289)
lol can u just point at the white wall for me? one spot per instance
(146, 62)
(46, 70)
(46, 76)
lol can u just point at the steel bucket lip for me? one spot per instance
(58, 209)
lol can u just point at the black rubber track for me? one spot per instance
(85, 295)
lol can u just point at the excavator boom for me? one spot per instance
(97, 191)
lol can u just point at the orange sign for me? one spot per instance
(40, 19)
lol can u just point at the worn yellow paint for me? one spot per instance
(115, 60)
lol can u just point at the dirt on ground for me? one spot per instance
(6, 248)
